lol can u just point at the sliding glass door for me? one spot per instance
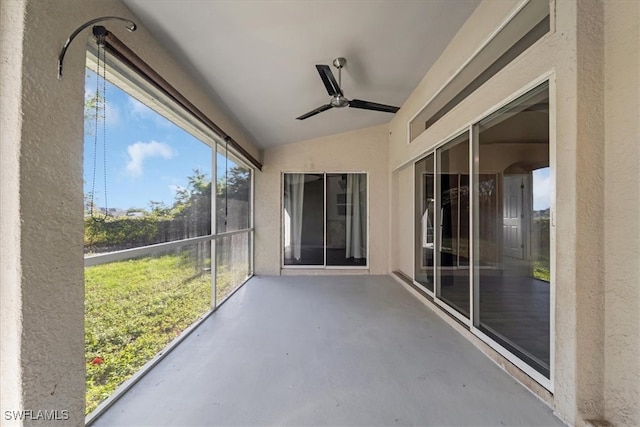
(325, 220)
(303, 219)
(512, 228)
(425, 217)
(452, 218)
(483, 230)
(346, 219)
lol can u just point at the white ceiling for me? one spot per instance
(256, 58)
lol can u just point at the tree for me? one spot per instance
(94, 108)
(192, 205)
(89, 204)
(239, 184)
(198, 186)
(232, 199)
(159, 209)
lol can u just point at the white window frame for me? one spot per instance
(324, 266)
(471, 128)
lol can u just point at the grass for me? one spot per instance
(541, 268)
(228, 278)
(133, 309)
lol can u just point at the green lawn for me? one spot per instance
(133, 309)
(228, 278)
(542, 269)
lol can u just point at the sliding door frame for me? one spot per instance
(324, 266)
(437, 268)
(472, 129)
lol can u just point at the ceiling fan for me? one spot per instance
(338, 100)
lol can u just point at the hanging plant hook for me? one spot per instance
(131, 26)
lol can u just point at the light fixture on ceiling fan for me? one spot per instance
(338, 100)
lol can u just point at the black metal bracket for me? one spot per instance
(100, 30)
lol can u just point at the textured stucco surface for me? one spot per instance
(595, 143)
(589, 202)
(555, 55)
(363, 150)
(42, 202)
(46, 193)
(622, 212)
(596, 341)
(11, 31)
(404, 220)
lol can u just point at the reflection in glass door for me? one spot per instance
(325, 220)
(425, 217)
(507, 202)
(512, 228)
(452, 224)
(346, 219)
(303, 219)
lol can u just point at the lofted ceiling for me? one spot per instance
(256, 57)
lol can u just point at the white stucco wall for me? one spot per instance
(363, 150)
(595, 135)
(41, 255)
(404, 220)
(11, 34)
(622, 212)
(588, 137)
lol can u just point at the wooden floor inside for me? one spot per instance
(514, 311)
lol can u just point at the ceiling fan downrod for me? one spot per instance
(339, 63)
(338, 100)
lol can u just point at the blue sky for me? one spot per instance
(148, 157)
(541, 189)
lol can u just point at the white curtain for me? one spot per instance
(427, 227)
(293, 200)
(356, 216)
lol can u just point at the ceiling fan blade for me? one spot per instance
(329, 81)
(314, 112)
(366, 105)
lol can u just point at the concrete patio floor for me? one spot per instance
(326, 350)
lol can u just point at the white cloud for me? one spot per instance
(140, 111)
(112, 114)
(140, 151)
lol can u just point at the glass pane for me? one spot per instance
(453, 218)
(146, 180)
(134, 308)
(347, 219)
(425, 210)
(303, 219)
(232, 263)
(514, 188)
(233, 193)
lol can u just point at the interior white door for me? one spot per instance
(513, 216)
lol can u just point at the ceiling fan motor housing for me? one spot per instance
(339, 101)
